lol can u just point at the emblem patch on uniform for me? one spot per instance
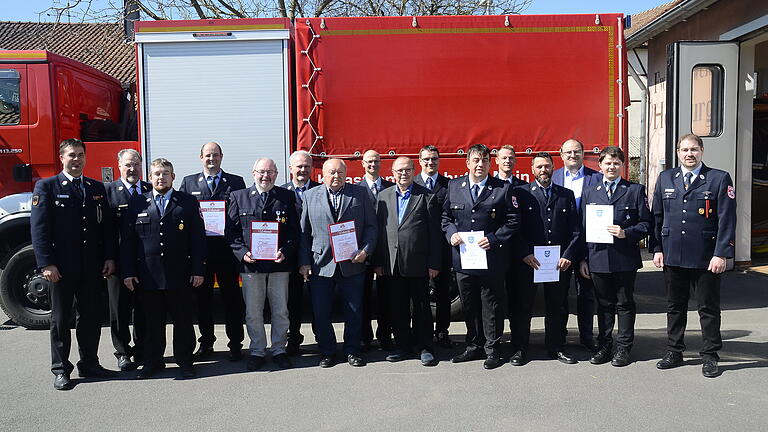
(701, 211)
(35, 200)
(514, 201)
(731, 192)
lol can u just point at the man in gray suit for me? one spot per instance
(408, 253)
(333, 203)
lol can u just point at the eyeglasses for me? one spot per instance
(265, 172)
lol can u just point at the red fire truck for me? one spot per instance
(335, 87)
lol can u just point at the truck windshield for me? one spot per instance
(9, 97)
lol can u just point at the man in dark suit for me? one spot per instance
(430, 177)
(613, 266)
(374, 184)
(123, 304)
(695, 212)
(301, 170)
(336, 202)
(479, 202)
(408, 253)
(74, 241)
(549, 219)
(576, 177)
(213, 184)
(265, 278)
(163, 253)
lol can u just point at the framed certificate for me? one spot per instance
(343, 240)
(264, 236)
(214, 213)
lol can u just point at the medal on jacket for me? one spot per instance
(280, 216)
(98, 213)
(493, 213)
(181, 226)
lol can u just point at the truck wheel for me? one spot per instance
(24, 292)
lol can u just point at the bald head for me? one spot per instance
(372, 164)
(572, 153)
(334, 173)
(402, 169)
(210, 156)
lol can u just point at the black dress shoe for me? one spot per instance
(589, 344)
(96, 371)
(601, 356)
(427, 358)
(125, 364)
(282, 361)
(444, 341)
(709, 369)
(562, 357)
(397, 356)
(254, 363)
(61, 382)
(468, 355)
(670, 360)
(293, 348)
(235, 355)
(147, 371)
(492, 362)
(621, 358)
(355, 360)
(327, 361)
(203, 353)
(518, 359)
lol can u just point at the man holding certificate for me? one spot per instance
(612, 264)
(480, 215)
(263, 232)
(338, 233)
(548, 243)
(212, 188)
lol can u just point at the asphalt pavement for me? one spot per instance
(542, 395)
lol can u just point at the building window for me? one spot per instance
(707, 100)
(9, 97)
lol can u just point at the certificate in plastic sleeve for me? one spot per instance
(264, 237)
(548, 257)
(214, 213)
(343, 240)
(598, 217)
(473, 257)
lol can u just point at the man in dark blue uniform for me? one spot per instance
(430, 177)
(695, 211)
(549, 219)
(301, 170)
(577, 177)
(162, 253)
(213, 184)
(479, 203)
(613, 266)
(374, 184)
(73, 236)
(123, 306)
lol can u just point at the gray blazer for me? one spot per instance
(415, 243)
(316, 215)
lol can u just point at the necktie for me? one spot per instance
(78, 184)
(609, 188)
(546, 193)
(374, 190)
(160, 201)
(212, 183)
(134, 190)
(429, 183)
(687, 177)
(264, 197)
(475, 192)
(300, 194)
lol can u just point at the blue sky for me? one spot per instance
(27, 10)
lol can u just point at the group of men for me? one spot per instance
(160, 257)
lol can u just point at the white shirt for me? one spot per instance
(481, 185)
(129, 186)
(376, 182)
(424, 177)
(695, 171)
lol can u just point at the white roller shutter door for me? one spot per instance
(233, 92)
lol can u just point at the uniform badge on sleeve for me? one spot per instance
(35, 200)
(731, 192)
(514, 201)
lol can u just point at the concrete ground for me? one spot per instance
(543, 395)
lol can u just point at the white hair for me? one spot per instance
(130, 151)
(298, 153)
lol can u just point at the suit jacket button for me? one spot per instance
(683, 211)
(161, 243)
(161, 233)
(683, 221)
(473, 220)
(685, 200)
(161, 223)
(683, 232)
(161, 254)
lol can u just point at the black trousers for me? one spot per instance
(84, 288)
(124, 307)
(296, 308)
(555, 320)
(384, 324)
(585, 303)
(483, 299)
(224, 268)
(157, 304)
(706, 288)
(615, 296)
(409, 299)
(442, 293)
